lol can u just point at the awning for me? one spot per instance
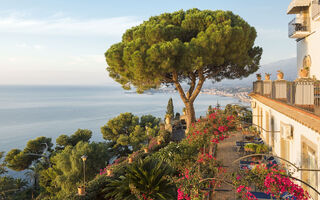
(296, 5)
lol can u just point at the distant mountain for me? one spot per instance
(287, 66)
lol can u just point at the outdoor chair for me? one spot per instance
(261, 195)
(264, 196)
(259, 141)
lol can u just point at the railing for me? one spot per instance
(298, 24)
(303, 93)
(315, 9)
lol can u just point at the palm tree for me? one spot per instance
(20, 183)
(147, 178)
(32, 176)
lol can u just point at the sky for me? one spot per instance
(62, 42)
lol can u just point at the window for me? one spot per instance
(267, 128)
(261, 121)
(309, 161)
(284, 145)
(272, 132)
(315, 9)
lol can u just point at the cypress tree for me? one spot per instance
(170, 110)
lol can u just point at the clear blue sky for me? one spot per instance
(63, 41)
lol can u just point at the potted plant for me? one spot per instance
(81, 190)
(267, 76)
(159, 140)
(245, 131)
(145, 148)
(258, 76)
(250, 147)
(109, 170)
(130, 159)
(262, 148)
(304, 72)
(280, 75)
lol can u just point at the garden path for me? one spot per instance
(227, 155)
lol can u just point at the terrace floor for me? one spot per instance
(227, 155)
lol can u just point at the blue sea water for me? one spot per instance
(27, 112)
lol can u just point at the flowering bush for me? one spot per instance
(214, 128)
(245, 193)
(193, 181)
(204, 133)
(273, 181)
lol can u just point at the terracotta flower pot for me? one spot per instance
(245, 132)
(259, 78)
(280, 76)
(256, 158)
(267, 77)
(130, 160)
(109, 172)
(303, 73)
(81, 190)
(247, 149)
(146, 150)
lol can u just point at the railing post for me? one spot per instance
(290, 92)
(259, 87)
(267, 88)
(280, 87)
(317, 97)
(305, 96)
(254, 87)
(273, 93)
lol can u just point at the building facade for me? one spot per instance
(288, 113)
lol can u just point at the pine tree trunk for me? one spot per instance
(190, 114)
(191, 95)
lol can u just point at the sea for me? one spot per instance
(27, 112)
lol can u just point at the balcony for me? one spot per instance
(315, 10)
(296, 6)
(298, 28)
(302, 93)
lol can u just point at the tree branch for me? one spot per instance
(199, 86)
(192, 85)
(178, 86)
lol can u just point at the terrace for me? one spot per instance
(299, 28)
(303, 93)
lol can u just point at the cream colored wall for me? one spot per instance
(254, 112)
(299, 131)
(310, 46)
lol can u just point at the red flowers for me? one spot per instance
(205, 157)
(274, 181)
(182, 196)
(212, 116)
(223, 128)
(246, 194)
(277, 183)
(230, 118)
(215, 140)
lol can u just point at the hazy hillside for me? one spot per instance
(288, 67)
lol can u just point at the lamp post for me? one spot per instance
(84, 158)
